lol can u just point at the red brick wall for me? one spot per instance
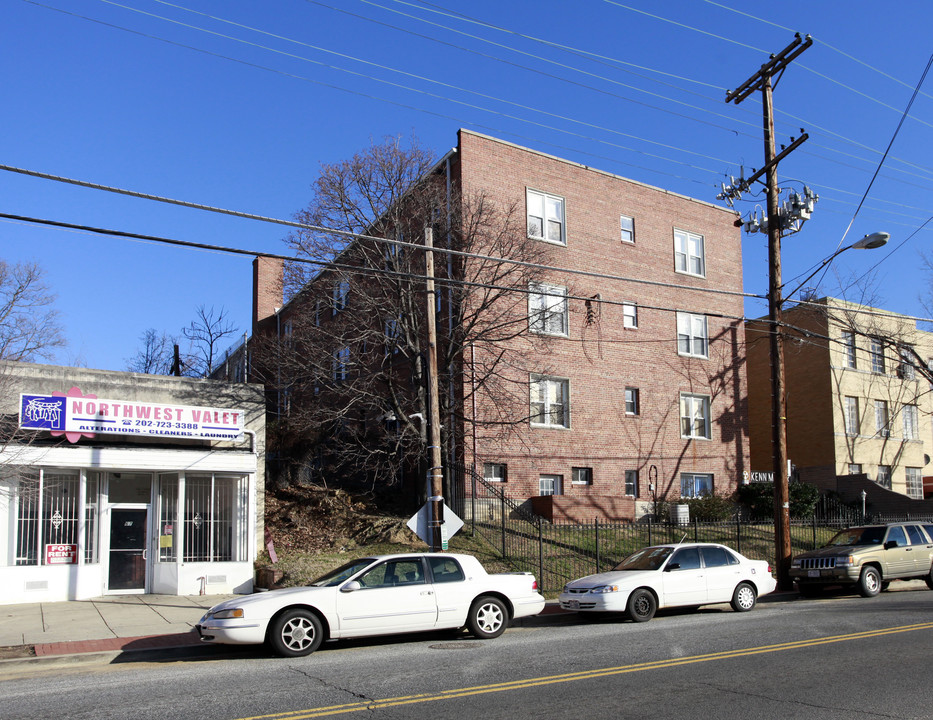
(600, 359)
(267, 288)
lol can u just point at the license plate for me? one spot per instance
(813, 573)
(573, 604)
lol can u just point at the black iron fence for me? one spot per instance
(561, 551)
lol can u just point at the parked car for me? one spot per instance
(688, 574)
(377, 596)
(867, 557)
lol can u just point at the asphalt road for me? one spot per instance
(839, 657)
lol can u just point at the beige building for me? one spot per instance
(859, 394)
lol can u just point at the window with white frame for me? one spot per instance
(855, 468)
(881, 418)
(905, 368)
(851, 415)
(495, 472)
(550, 402)
(884, 476)
(914, 483)
(632, 401)
(581, 476)
(692, 335)
(876, 353)
(550, 485)
(547, 309)
(341, 292)
(848, 349)
(689, 255)
(391, 335)
(341, 363)
(627, 225)
(629, 315)
(631, 483)
(216, 518)
(545, 217)
(695, 416)
(911, 422)
(694, 485)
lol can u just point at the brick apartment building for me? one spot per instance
(858, 400)
(621, 379)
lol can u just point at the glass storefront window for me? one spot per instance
(216, 517)
(168, 517)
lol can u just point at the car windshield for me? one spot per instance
(335, 577)
(648, 559)
(859, 536)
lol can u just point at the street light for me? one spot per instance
(782, 544)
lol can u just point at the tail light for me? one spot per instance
(534, 585)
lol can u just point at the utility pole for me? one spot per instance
(435, 471)
(762, 80)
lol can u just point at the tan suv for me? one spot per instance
(867, 557)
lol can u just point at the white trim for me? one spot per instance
(83, 456)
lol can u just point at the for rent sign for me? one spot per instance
(61, 554)
(76, 415)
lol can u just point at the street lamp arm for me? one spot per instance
(869, 242)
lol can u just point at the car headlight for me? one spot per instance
(795, 563)
(228, 614)
(605, 589)
(846, 561)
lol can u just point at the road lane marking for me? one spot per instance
(582, 675)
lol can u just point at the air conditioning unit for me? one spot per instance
(884, 433)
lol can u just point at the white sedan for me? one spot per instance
(377, 596)
(688, 574)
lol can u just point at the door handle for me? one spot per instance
(145, 554)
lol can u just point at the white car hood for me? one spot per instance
(614, 577)
(271, 597)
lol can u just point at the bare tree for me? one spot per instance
(155, 356)
(29, 326)
(348, 354)
(206, 335)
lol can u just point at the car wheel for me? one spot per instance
(641, 605)
(869, 584)
(488, 618)
(744, 597)
(296, 633)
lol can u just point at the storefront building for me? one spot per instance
(121, 483)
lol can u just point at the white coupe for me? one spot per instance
(688, 574)
(377, 596)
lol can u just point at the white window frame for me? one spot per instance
(911, 418)
(876, 353)
(341, 363)
(883, 477)
(882, 418)
(691, 480)
(848, 350)
(627, 229)
(540, 206)
(695, 418)
(913, 476)
(689, 253)
(341, 292)
(547, 394)
(581, 476)
(850, 410)
(630, 316)
(548, 312)
(905, 368)
(549, 484)
(855, 468)
(692, 335)
(632, 401)
(495, 472)
(631, 483)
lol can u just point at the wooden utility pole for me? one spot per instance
(435, 471)
(763, 80)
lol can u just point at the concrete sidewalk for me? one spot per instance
(114, 622)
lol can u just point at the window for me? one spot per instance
(341, 291)
(216, 518)
(848, 349)
(911, 423)
(914, 483)
(550, 406)
(855, 468)
(629, 315)
(582, 476)
(884, 476)
(393, 573)
(545, 217)
(341, 361)
(694, 416)
(692, 337)
(495, 472)
(851, 415)
(391, 335)
(550, 485)
(445, 569)
(696, 484)
(881, 418)
(685, 559)
(905, 368)
(876, 352)
(547, 309)
(631, 483)
(632, 401)
(689, 256)
(718, 557)
(627, 225)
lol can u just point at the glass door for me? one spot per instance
(128, 548)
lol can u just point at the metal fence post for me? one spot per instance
(596, 523)
(738, 534)
(541, 552)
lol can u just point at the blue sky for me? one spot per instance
(236, 104)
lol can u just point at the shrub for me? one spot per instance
(759, 498)
(710, 508)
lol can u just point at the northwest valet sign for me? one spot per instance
(75, 415)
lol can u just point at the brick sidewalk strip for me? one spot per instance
(110, 644)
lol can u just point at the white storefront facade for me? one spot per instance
(120, 483)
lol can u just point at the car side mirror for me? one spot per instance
(672, 566)
(890, 544)
(351, 586)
